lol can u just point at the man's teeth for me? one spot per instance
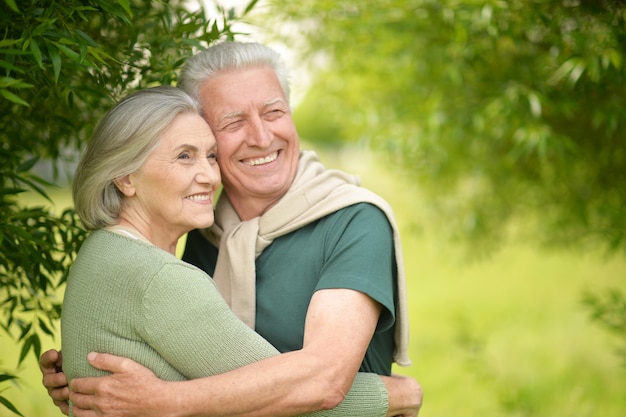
(261, 161)
(199, 197)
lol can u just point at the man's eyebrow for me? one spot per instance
(231, 115)
(274, 101)
(236, 114)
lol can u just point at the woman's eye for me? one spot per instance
(212, 157)
(184, 155)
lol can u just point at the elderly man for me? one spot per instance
(306, 256)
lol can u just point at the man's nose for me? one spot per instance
(258, 133)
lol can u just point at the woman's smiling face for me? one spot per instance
(173, 190)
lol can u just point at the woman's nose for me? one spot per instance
(208, 173)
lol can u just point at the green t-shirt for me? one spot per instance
(351, 248)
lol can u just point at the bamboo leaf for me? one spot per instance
(34, 49)
(56, 63)
(10, 406)
(13, 98)
(28, 343)
(28, 164)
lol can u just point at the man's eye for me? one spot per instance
(274, 114)
(233, 125)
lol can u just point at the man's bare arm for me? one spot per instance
(339, 326)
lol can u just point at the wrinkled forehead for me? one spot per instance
(240, 90)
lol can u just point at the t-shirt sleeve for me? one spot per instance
(360, 256)
(188, 323)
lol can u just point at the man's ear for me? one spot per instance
(125, 185)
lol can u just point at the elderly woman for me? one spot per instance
(148, 176)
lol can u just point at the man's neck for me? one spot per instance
(249, 208)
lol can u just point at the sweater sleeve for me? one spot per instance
(190, 325)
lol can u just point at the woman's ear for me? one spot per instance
(125, 185)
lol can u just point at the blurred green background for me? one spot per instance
(496, 130)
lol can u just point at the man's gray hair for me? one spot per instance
(227, 56)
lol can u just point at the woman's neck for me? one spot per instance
(144, 231)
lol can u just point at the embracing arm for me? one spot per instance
(320, 375)
(122, 394)
(288, 384)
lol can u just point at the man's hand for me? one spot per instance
(54, 379)
(405, 396)
(131, 390)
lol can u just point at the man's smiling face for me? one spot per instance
(258, 145)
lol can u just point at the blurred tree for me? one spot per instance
(62, 65)
(509, 114)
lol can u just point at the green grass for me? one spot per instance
(508, 336)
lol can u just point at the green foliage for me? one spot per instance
(508, 114)
(609, 309)
(62, 65)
